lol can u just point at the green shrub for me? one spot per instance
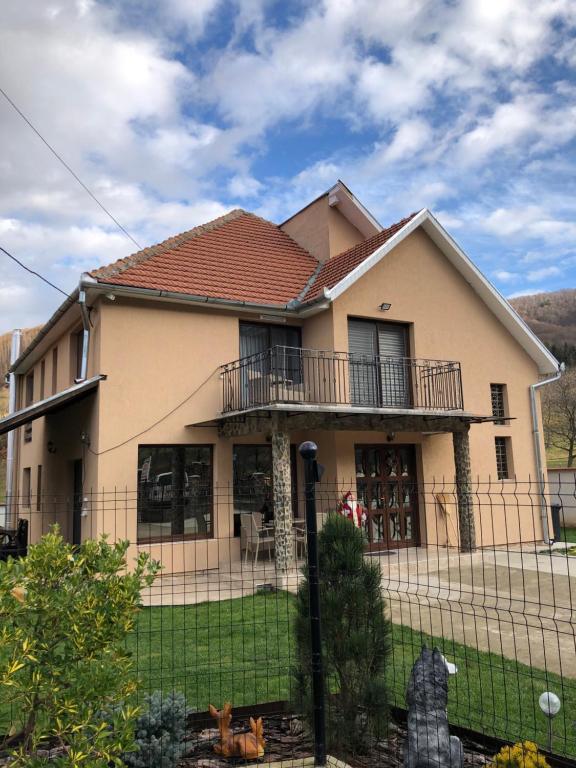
(65, 612)
(356, 640)
(160, 732)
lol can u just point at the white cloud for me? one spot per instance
(503, 276)
(167, 133)
(535, 275)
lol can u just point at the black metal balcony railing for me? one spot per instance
(289, 375)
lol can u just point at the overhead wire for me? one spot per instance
(32, 271)
(67, 166)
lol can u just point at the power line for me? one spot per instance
(32, 272)
(68, 168)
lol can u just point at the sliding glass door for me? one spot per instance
(379, 365)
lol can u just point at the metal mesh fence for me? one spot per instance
(218, 623)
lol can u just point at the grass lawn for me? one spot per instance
(569, 535)
(242, 650)
(556, 457)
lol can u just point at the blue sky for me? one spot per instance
(175, 112)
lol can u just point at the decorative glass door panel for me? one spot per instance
(386, 486)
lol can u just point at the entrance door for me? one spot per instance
(77, 504)
(386, 486)
(379, 369)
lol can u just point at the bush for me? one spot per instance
(355, 640)
(65, 612)
(522, 755)
(160, 732)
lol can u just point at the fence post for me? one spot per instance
(308, 452)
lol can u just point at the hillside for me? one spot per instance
(552, 316)
(5, 345)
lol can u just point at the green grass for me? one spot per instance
(556, 457)
(242, 650)
(568, 535)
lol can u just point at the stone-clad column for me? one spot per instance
(281, 473)
(464, 490)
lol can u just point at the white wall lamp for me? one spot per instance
(385, 306)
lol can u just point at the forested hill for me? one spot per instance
(552, 316)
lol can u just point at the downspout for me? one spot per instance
(537, 450)
(11, 437)
(85, 335)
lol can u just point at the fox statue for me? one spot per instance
(247, 745)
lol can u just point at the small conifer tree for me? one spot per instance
(356, 640)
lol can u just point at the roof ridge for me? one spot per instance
(118, 266)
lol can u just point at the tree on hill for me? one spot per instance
(559, 415)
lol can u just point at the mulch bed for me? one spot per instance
(286, 740)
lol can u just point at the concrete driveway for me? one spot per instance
(515, 603)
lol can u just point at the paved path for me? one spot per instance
(514, 603)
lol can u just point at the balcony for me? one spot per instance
(291, 378)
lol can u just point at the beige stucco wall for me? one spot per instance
(448, 321)
(61, 431)
(162, 361)
(322, 230)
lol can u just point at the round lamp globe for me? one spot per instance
(549, 704)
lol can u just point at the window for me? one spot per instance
(28, 400)
(257, 338)
(39, 488)
(379, 374)
(498, 394)
(55, 370)
(252, 482)
(26, 487)
(175, 497)
(42, 379)
(502, 445)
(76, 345)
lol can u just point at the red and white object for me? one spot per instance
(351, 509)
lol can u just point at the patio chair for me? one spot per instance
(300, 540)
(14, 543)
(256, 536)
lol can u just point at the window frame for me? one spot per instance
(500, 419)
(54, 370)
(27, 487)
(28, 401)
(39, 488)
(500, 440)
(179, 536)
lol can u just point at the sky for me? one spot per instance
(175, 112)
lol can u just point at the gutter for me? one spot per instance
(538, 452)
(292, 307)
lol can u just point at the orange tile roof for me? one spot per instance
(239, 257)
(336, 268)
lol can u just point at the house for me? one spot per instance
(191, 371)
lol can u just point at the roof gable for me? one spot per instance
(491, 297)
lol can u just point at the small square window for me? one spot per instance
(502, 457)
(498, 394)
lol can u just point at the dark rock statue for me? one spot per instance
(429, 744)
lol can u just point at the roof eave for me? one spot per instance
(291, 308)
